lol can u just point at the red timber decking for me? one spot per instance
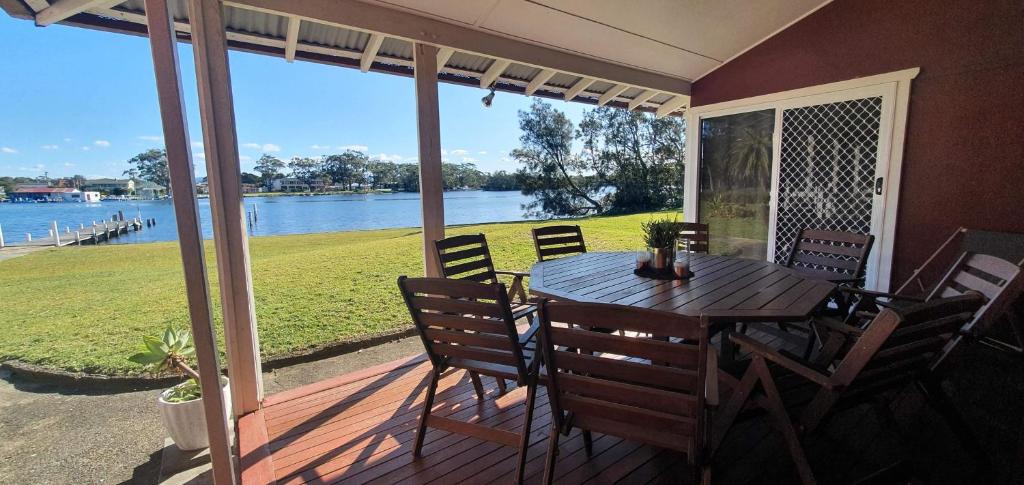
(359, 428)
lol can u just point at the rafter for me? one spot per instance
(641, 99)
(672, 105)
(493, 72)
(611, 93)
(578, 88)
(370, 52)
(62, 9)
(443, 54)
(291, 41)
(539, 80)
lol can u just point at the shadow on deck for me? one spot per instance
(359, 428)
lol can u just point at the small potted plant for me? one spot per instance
(660, 237)
(181, 407)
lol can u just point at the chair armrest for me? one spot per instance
(530, 332)
(711, 386)
(770, 354)
(837, 326)
(518, 274)
(880, 294)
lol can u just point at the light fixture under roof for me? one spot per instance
(487, 100)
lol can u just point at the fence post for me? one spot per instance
(78, 238)
(28, 236)
(1, 237)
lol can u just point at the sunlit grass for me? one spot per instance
(86, 309)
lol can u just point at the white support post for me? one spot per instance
(190, 236)
(428, 125)
(220, 141)
(1, 237)
(55, 233)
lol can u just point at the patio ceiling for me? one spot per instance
(641, 55)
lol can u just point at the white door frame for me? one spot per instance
(894, 87)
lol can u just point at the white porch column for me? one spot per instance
(428, 124)
(217, 113)
(190, 237)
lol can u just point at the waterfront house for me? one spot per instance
(108, 186)
(289, 184)
(47, 194)
(917, 103)
(149, 190)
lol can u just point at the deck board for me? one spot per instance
(360, 428)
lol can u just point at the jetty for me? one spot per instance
(93, 233)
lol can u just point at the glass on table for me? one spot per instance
(643, 257)
(681, 265)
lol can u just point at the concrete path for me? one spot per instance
(74, 436)
(9, 252)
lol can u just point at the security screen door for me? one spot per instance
(829, 163)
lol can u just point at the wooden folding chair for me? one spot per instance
(468, 258)
(839, 257)
(656, 392)
(557, 241)
(1001, 281)
(698, 234)
(897, 348)
(468, 325)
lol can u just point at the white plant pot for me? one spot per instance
(186, 422)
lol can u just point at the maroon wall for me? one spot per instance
(964, 157)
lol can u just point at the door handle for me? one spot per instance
(878, 185)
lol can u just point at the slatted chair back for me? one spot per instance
(638, 388)
(698, 234)
(831, 255)
(557, 241)
(466, 257)
(466, 325)
(900, 345)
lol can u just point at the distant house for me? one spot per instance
(289, 184)
(202, 188)
(46, 194)
(149, 190)
(111, 186)
(250, 188)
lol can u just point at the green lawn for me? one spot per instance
(86, 309)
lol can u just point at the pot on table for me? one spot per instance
(661, 258)
(186, 422)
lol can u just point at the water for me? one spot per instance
(277, 215)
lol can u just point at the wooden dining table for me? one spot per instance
(726, 289)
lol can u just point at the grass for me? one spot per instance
(86, 309)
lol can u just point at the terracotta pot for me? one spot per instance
(185, 421)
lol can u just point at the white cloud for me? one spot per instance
(384, 157)
(197, 144)
(199, 155)
(245, 158)
(357, 148)
(266, 147)
(444, 152)
(49, 147)
(8, 150)
(148, 138)
(481, 152)
(459, 152)
(85, 148)
(469, 160)
(69, 164)
(101, 143)
(35, 168)
(320, 147)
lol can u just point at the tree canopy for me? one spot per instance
(150, 165)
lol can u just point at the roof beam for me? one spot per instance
(670, 106)
(62, 9)
(370, 52)
(291, 40)
(443, 54)
(492, 73)
(641, 99)
(539, 80)
(611, 93)
(578, 88)
(417, 28)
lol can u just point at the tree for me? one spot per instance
(552, 173)
(150, 165)
(250, 178)
(347, 168)
(270, 168)
(305, 169)
(409, 177)
(382, 174)
(501, 180)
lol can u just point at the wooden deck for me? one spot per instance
(358, 428)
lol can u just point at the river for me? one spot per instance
(277, 215)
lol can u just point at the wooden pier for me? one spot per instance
(85, 234)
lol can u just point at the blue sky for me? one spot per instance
(80, 101)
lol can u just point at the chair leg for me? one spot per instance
(941, 402)
(524, 440)
(740, 394)
(549, 465)
(776, 409)
(477, 385)
(421, 430)
(501, 386)
(588, 442)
